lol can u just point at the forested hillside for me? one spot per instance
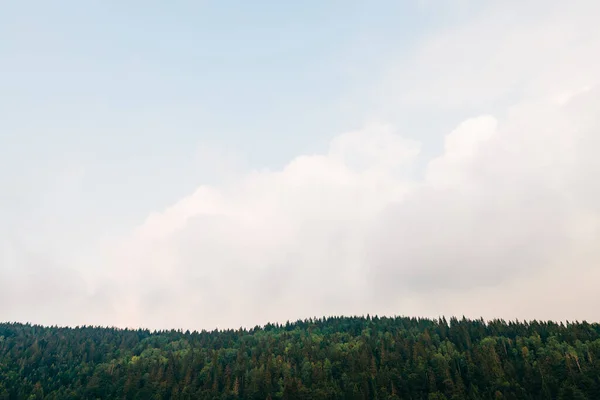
(332, 358)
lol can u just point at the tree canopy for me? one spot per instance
(329, 358)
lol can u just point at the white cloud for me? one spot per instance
(486, 217)
(270, 246)
(499, 215)
(461, 147)
(509, 49)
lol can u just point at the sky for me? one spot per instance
(203, 164)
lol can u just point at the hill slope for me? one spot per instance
(332, 358)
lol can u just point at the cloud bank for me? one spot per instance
(502, 223)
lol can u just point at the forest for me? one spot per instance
(321, 358)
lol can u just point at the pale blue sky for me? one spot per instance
(114, 113)
(123, 94)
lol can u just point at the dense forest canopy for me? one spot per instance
(330, 358)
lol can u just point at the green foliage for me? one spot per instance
(331, 358)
